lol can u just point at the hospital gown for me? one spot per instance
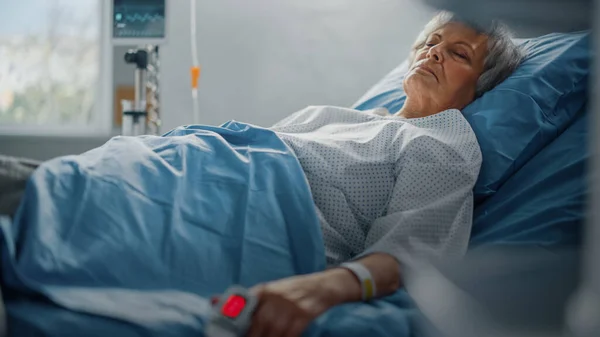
(387, 184)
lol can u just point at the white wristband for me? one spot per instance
(364, 276)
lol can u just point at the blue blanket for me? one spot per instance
(131, 238)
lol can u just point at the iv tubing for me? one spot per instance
(195, 71)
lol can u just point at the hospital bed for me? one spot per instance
(523, 266)
(531, 190)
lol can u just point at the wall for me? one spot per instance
(264, 59)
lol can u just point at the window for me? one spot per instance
(50, 52)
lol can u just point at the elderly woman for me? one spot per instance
(386, 185)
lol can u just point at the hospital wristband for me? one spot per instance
(363, 274)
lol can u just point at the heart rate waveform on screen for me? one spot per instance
(142, 17)
(139, 19)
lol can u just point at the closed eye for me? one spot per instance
(462, 56)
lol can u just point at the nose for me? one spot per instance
(435, 53)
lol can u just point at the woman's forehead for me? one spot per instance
(460, 32)
(457, 32)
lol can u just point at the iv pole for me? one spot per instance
(137, 118)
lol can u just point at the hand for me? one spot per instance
(286, 307)
(278, 316)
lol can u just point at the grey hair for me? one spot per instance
(503, 56)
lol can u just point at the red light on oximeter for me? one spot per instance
(233, 306)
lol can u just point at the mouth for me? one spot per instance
(429, 70)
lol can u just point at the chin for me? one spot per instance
(417, 83)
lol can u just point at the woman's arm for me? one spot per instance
(286, 307)
(345, 286)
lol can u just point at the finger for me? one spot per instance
(273, 316)
(258, 324)
(278, 326)
(267, 316)
(257, 329)
(297, 327)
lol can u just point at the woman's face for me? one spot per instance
(446, 68)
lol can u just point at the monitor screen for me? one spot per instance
(139, 19)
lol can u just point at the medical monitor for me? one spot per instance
(139, 22)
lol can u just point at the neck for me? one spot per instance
(416, 109)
